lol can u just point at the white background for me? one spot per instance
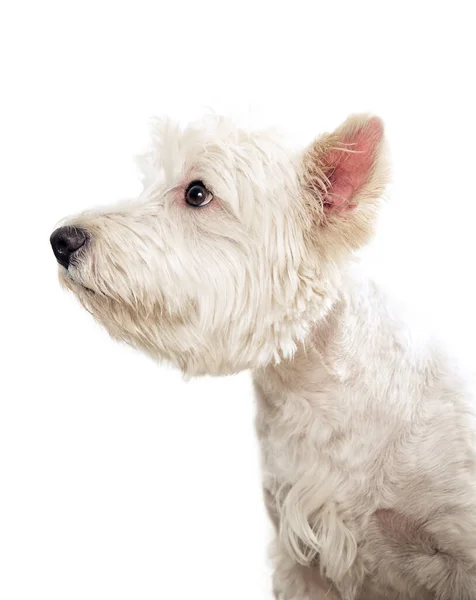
(117, 479)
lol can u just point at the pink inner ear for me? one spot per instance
(350, 171)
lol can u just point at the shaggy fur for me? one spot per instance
(367, 433)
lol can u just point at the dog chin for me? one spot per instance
(70, 282)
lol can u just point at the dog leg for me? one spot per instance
(292, 581)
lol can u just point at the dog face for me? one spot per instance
(232, 251)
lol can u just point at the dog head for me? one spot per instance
(234, 249)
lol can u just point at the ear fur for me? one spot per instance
(343, 177)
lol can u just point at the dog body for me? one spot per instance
(239, 255)
(368, 444)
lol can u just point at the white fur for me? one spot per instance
(367, 434)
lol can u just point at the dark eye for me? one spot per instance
(197, 194)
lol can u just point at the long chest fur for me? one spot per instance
(332, 440)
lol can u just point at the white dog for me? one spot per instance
(239, 255)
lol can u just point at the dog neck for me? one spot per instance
(312, 362)
(335, 348)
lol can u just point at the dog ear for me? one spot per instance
(343, 176)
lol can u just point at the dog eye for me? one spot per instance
(197, 194)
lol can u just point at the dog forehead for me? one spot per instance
(214, 140)
(248, 169)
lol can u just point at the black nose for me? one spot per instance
(65, 241)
